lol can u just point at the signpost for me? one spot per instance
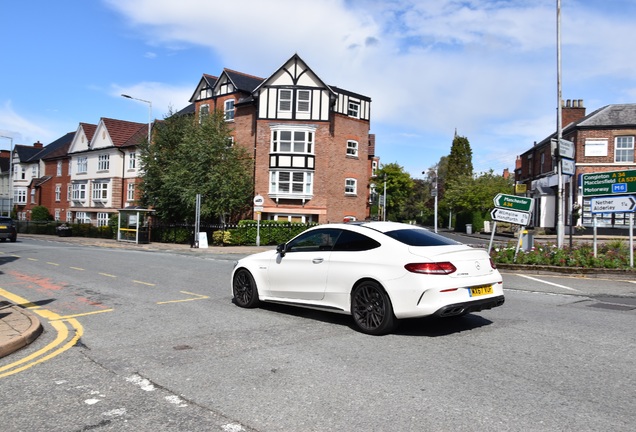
(609, 183)
(512, 209)
(258, 208)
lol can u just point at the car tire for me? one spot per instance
(244, 289)
(3, 240)
(13, 239)
(371, 309)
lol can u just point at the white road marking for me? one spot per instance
(548, 283)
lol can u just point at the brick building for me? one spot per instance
(313, 154)
(603, 141)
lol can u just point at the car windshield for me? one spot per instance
(420, 237)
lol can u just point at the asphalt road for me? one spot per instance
(150, 341)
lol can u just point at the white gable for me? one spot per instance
(80, 141)
(101, 139)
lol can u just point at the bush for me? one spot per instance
(40, 213)
(611, 255)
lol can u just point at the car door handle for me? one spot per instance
(317, 260)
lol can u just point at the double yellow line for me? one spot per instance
(68, 329)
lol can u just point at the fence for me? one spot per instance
(244, 233)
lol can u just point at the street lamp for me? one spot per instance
(434, 193)
(10, 174)
(149, 111)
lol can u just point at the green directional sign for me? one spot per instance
(609, 183)
(513, 202)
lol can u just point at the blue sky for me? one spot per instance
(484, 68)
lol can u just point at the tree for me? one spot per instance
(40, 213)
(399, 189)
(188, 157)
(460, 160)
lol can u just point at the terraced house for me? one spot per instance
(314, 157)
(103, 170)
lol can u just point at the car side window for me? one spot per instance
(350, 241)
(313, 241)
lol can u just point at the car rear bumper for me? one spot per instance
(471, 306)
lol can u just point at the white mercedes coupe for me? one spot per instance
(377, 272)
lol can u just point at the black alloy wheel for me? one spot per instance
(371, 309)
(244, 289)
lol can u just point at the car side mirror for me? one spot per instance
(281, 249)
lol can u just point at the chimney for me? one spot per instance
(518, 163)
(38, 144)
(572, 111)
(506, 173)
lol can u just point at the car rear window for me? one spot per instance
(420, 237)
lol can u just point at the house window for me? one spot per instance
(291, 182)
(353, 109)
(57, 215)
(204, 111)
(82, 217)
(542, 163)
(304, 101)
(20, 196)
(34, 171)
(230, 142)
(350, 186)
(285, 100)
(103, 162)
(374, 168)
(59, 169)
(23, 173)
(132, 160)
(69, 216)
(79, 191)
(292, 141)
(352, 148)
(69, 192)
(130, 193)
(100, 191)
(82, 165)
(58, 193)
(102, 219)
(33, 196)
(229, 110)
(624, 149)
(206, 92)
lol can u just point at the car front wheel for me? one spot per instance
(244, 289)
(371, 309)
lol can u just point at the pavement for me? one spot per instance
(19, 327)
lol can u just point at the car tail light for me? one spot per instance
(492, 264)
(441, 268)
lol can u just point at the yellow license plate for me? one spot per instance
(3, 227)
(481, 290)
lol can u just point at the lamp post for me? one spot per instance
(149, 111)
(434, 193)
(10, 174)
(384, 206)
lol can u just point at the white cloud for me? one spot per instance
(164, 97)
(30, 130)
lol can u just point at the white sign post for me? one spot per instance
(258, 208)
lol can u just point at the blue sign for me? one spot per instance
(619, 188)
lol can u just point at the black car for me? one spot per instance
(8, 229)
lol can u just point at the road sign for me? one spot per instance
(513, 202)
(259, 200)
(511, 216)
(609, 183)
(567, 166)
(613, 204)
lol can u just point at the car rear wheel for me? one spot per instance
(244, 289)
(371, 309)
